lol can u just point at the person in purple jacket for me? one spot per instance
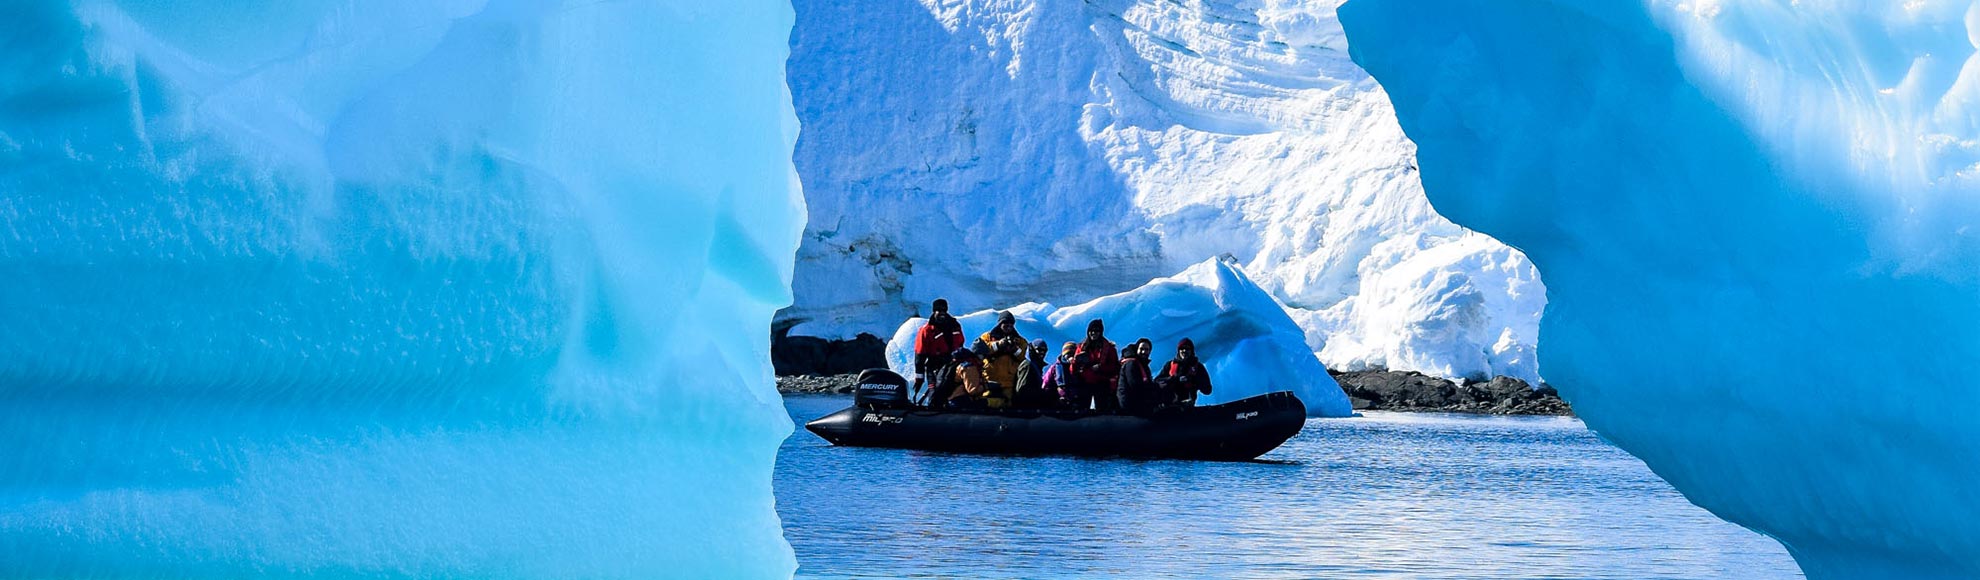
(1058, 377)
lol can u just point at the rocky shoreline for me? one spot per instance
(1368, 390)
(818, 357)
(1381, 390)
(816, 384)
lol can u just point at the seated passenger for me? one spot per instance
(1002, 350)
(1031, 390)
(1136, 387)
(1059, 379)
(1096, 366)
(1184, 376)
(971, 389)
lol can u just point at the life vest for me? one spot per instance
(1098, 365)
(938, 337)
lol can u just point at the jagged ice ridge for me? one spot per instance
(996, 152)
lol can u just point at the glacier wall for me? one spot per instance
(1242, 335)
(376, 288)
(997, 152)
(1756, 222)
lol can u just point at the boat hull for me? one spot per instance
(1235, 431)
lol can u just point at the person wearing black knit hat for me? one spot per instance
(1184, 377)
(1096, 366)
(934, 345)
(1136, 386)
(1002, 349)
(1032, 393)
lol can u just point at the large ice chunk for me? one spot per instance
(1003, 151)
(1243, 336)
(1757, 222)
(381, 288)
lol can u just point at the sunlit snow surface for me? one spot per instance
(995, 152)
(381, 288)
(1243, 336)
(1756, 220)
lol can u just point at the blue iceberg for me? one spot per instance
(377, 288)
(1244, 336)
(1756, 221)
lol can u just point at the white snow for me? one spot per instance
(369, 288)
(1005, 151)
(1756, 219)
(1241, 333)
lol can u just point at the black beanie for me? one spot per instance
(1006, 316)
(941, 305)
(1095, 326)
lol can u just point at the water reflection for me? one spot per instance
(1383, 496)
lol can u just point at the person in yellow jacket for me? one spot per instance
(966, 386)
(1003, 350)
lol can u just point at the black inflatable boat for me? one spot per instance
(1234, 431)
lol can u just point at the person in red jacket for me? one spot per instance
(934, 345)
(1096, 366)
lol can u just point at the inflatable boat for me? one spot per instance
(1235, 431)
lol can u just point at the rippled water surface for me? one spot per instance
(1389, 495)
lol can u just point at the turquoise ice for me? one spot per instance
(1244, 336)
(380, 288)
(1756, 220)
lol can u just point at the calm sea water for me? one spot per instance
(1389, 495)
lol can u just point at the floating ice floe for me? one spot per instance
(1242, 335)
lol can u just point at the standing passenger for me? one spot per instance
(1096, 366)
(934, 345)
(1185, 376)
(1002, 350)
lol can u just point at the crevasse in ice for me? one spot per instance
(378, 288)
(1243, 336)
(1756, 220)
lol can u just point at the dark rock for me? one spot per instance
(817, 385)
(1382, 390)
(813, 356)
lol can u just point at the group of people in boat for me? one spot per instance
(1001, 370)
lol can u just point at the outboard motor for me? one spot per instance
(881, 389)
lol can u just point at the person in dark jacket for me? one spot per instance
(1096, 366)
(934, 346)
(1031, 390)
(1184, 376)
(1136, 387)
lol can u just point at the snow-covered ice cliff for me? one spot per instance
(996, 152)
(1242, 335)
(1759, 223)
(369, 288)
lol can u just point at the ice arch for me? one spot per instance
(1755, 219)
